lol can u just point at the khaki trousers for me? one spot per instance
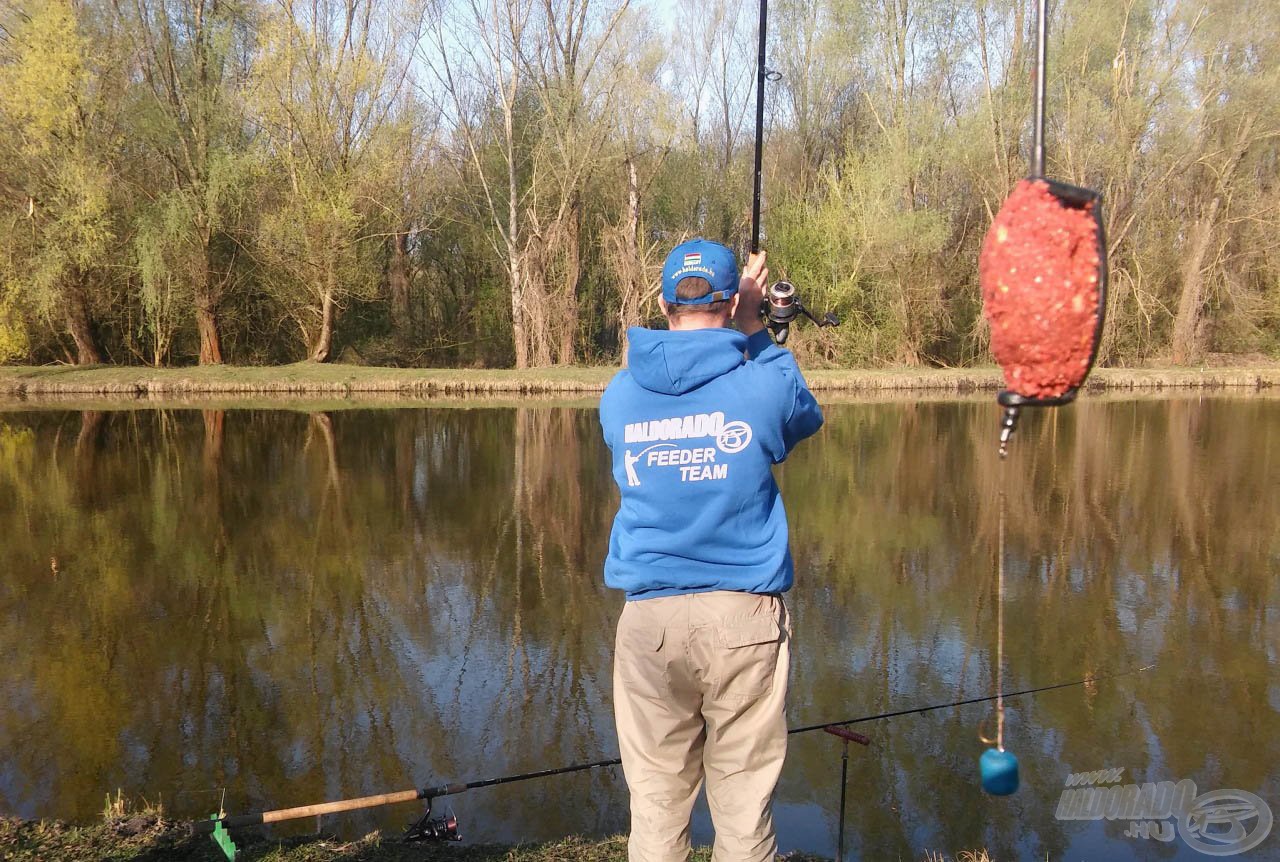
(700, 688)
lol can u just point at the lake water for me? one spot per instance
(286, 607)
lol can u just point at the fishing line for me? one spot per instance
(881, 716)
(1043, 274)
(1000, 621)
(998, 768)
(998, 739)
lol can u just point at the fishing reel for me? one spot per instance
(781, 306)
(434, 829)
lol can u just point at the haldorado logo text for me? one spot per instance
(697, 463)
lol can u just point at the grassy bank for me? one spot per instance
(352, 381)
(148, 837)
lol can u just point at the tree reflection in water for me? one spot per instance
(297, 607)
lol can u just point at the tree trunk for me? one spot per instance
(633, 279)
(87, 487)
(519, 336)
(210, 344)
(214, 424)
(325, 424)
(211, 463)
(567, 325)
(519, 313)
(519, 333)
(207, 292)
(398, 285)
(1187, 322)
(405, 463)
(324, 342)
(80, 326)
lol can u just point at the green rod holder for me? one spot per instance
(222, 838)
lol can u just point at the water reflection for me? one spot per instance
(299, 606)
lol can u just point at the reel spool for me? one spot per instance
(428, 828)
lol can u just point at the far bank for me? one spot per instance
(343, 381)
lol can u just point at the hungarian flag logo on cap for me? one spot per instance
(700, 258)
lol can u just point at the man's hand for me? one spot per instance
(751, 294)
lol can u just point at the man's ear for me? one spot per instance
(733, 306)
(662, 303)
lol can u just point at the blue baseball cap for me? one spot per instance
(700, 258)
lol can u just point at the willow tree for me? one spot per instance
(192, 59)
(411, 204)
(60, 84)
(327, 83)
(713, 45)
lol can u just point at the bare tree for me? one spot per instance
(522, 80)
(475, 55)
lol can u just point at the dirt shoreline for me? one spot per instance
(344, 382)
(150, 837)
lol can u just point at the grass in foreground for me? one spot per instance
(148, 837)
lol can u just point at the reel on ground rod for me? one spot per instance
(427, 828)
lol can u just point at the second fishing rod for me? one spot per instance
(429, 827)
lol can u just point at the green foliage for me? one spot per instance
(164, 260)
(247, 171)
(45, 76)
(14, 342)
(47, 93)
(862, 248)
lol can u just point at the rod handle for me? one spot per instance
(322, 808)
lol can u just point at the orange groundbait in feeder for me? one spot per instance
(1039, 271)
(1043, 271)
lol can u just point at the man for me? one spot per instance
(699, 545)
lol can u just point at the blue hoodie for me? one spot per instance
(695, 428)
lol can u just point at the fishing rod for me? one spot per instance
(446, 828)
(781, 303)
(762, 74)
(412, 795)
